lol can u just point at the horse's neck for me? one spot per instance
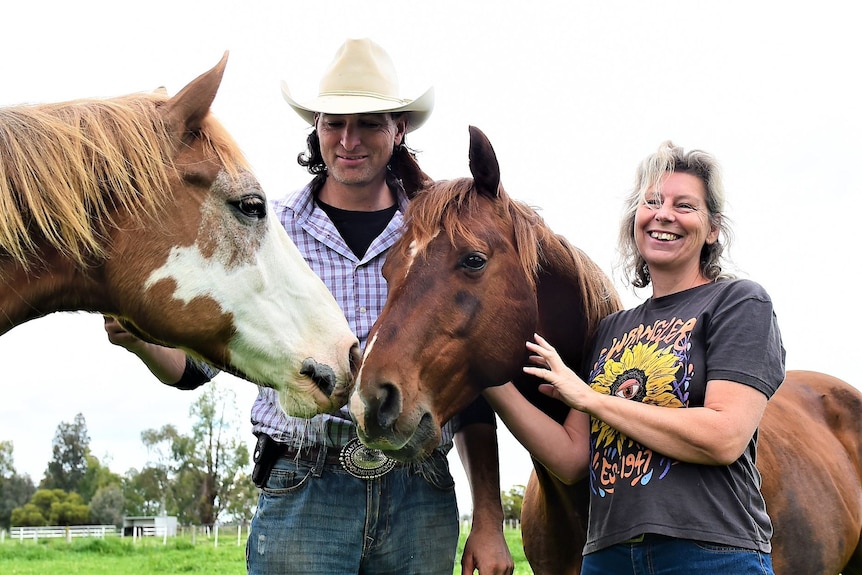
(42, 289)
(563, 317)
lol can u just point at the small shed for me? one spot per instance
(150, 526)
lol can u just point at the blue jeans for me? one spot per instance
(317, 519)
(658, 555)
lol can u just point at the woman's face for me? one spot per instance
(670, 230)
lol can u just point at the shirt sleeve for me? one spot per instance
(744, 342)
(195, 374)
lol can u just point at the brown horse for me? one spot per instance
(487, 273)
(143, 207)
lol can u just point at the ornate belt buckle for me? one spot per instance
(363, 462)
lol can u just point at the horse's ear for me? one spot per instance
(483, 163)
(187, 109)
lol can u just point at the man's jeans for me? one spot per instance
(317, 519)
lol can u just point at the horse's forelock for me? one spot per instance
(441, 207)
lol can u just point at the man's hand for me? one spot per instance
(486, 551)
(166, 363)
(118, 335)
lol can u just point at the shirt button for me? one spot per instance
(362, 309)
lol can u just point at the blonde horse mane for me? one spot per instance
(66, 168)
(443, 205)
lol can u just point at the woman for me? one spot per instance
(667, 427)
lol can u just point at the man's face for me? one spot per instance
(357, 147)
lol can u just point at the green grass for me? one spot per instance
(115, 556)
(122, 556)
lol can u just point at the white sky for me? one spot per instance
(572, 94)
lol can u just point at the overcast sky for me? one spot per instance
(571, 94)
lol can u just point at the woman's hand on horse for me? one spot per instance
(562, 383)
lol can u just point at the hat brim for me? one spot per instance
(419, 109)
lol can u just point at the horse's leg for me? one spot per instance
(554, 523)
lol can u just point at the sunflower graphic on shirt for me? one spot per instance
(643, 373)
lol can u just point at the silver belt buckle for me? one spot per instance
(363, 462)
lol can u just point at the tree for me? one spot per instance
(223, 455)
(52, 507)
(43, 499)
(7, 467)
(97, 477)
(69, 510)
(146, 492)
(162, 484)
(107, 506)
(239, 499)
(28, 515)
(15, 490)
(513, 500)
(203, 472)
(71, 446)
(187, 487)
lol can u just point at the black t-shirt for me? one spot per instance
(664, 352)
(358, 229)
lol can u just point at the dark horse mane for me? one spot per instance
(444, 205)
(66, 167)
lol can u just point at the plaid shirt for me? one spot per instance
(359, 288)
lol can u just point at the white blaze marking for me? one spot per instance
(282, 311)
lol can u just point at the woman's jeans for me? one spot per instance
(659, 555)
(315, 518)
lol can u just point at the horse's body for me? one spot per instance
(468, 260)
(143, 207)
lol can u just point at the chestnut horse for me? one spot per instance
(143, 207)
(487, 273)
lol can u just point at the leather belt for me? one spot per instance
(310, 454)
(355, 458)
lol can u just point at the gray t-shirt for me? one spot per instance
(664, 352)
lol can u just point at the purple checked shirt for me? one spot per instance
(359, 288)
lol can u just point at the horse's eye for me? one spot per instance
(191, 136)
(474, 262)
(252, 206)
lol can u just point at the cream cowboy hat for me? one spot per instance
(361, 80)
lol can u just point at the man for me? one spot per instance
(327, 505)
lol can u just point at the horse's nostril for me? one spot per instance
(321, 374)
(389, 401)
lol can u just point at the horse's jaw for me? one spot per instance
(409, 438)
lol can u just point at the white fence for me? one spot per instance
(207, 532)
(151, 531)
(68, 532)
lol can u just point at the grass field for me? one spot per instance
(116, 556)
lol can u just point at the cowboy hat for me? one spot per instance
(362, 80)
